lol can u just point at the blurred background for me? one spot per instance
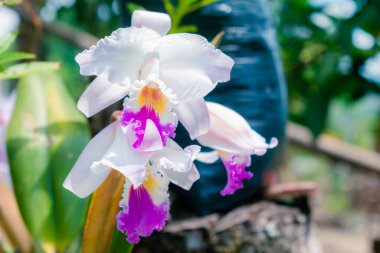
(331, 55)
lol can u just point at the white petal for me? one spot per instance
(152, 139)
(159, 22)
(82, 180)
(122, 157)
(186, 84)
(194, 116)
(173, 157)
(208, 157)
(119, 56)
(157, 185)
(191, 66)
(150, 70)
(100, 94)
(261, 146)
(182, 179)
(177, 164)
(230, 132)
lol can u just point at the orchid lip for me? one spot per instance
(144, 208)
(236, 172)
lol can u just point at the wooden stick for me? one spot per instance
(334, 148)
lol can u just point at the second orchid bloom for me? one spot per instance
(163, 79)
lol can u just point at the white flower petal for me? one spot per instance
(230, 132)
(152, 139)
(150, 71)
(191, 66)
(182, 179)
(194, 116)
(177, 164)
(122, 157)
(99, 95)
(159, 22)
(156, 184)
(186, 84)
(261, 146)
(82, 180)
(173, 157)
(119, 56)
(208, 157)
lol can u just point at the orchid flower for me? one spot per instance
(234, 142)
(163, 77)
(145, 203)
(7, 103)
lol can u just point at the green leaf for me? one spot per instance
(23, 69)
(120, 244)
(187, 29)
(45, 136)
(169, 8)
(10, 2)
(200, 5)
(15, 56)
(317, 109)
(7, 42)
(131, 7)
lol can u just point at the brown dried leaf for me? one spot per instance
(11, 221)
(101, 219)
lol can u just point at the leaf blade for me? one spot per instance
(7, 42)
(15, 56)
(44, 138)
(23, 69)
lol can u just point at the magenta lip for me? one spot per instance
(141, 217)
(138, 122)
(236, 173)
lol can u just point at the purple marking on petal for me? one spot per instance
(141, 217)
(236, 173)
(138, 122)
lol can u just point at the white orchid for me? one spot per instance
(234, 142)
(163, 77)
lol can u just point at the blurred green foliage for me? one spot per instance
(44, 138)
(322, 62)
(9, 2)
(180, 10)
(10, 70)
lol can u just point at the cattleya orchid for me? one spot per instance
(163, 77)
(234, 142)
